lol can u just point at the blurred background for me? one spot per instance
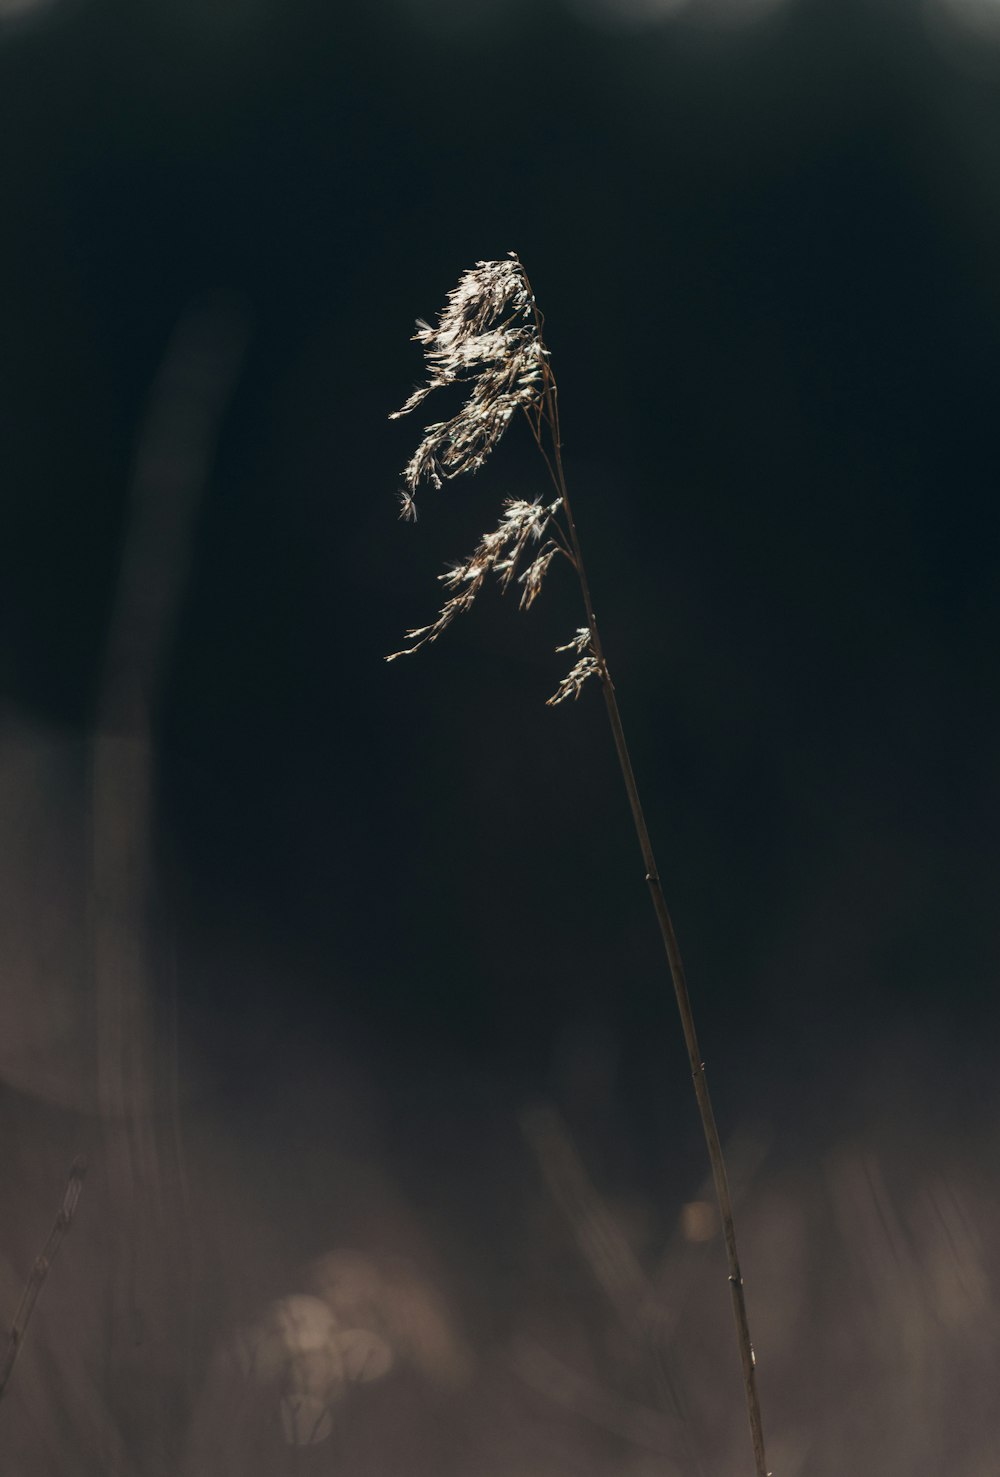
(320, 958)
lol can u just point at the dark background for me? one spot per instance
(766, 253)
(766, 241)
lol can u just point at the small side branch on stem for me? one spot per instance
(40, 1270)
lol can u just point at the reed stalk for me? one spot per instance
(490, 335)
(40, 1270)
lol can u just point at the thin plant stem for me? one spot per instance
(40, 1270)
(667, 932)
(508, 368)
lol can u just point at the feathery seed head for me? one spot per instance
(498, 552)
(573, 683)
(486, 337)
(579, 642)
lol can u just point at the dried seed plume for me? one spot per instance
(588, 666)
(487, 337)
(496, 553)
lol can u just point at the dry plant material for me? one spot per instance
(601, 1241)
(310, 1359)
(585, 1397)
(363, 1316)
(40, 1270)
(489, 338)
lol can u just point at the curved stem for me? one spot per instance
(40, 1271)
(668, 936)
